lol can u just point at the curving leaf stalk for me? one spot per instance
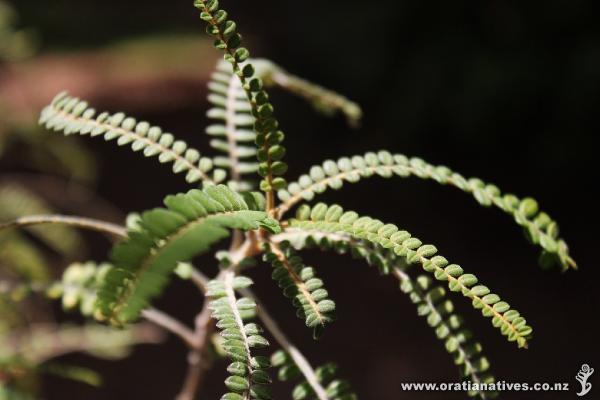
(74, 116)
(333, 219)
(431, 301)
(539, 227)
(299, 282)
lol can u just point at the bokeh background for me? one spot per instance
(504, 90)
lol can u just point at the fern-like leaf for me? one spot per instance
(268, 138)
(539, 227)
(233, 127)
(188, 226)
(383, 259)
(323, 100)
(248, 377)
(336, 389)
(432, 303)
(334, 219)
(300, 283)
(74, 116)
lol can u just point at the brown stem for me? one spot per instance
(170, 324)
(199, 359)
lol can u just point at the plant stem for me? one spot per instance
(199, 360)
(80, 222)
(170, 324)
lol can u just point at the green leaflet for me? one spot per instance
(233, 118)
(188, 226)
(538, 226)
(323, 100)
(382, 259)
(72, 115)
(232, 129)
(335, 389)
(431, 302)
(79, 285)
(248, 378)
(333, 219)
(266, 126)
(299, 282)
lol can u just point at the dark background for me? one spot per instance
(504, 90)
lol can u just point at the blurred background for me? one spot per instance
(504, 90)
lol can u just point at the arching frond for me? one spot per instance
(188, 226)
(268, 137)
(248, 377)
(323, 100)
(334, 219)
(233, 127)
(336, 389)
(539, 227)
(430, 301)
(299, 282)
(74, 116)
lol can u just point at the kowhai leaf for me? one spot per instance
(188, 226)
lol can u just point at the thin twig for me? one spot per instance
(80, 222)
(170, 324)
(199, 360)
(199, 279)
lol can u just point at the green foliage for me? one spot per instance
(299, 282)
(336, 389)
(79, 286)
(74, 116)
(383, 259)
(164, 240)
(188, 226)
(323, 100)
(432, 303)
(538, 226)
(334, 219)
(268, 136)
(248, 377)
(233, 127)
